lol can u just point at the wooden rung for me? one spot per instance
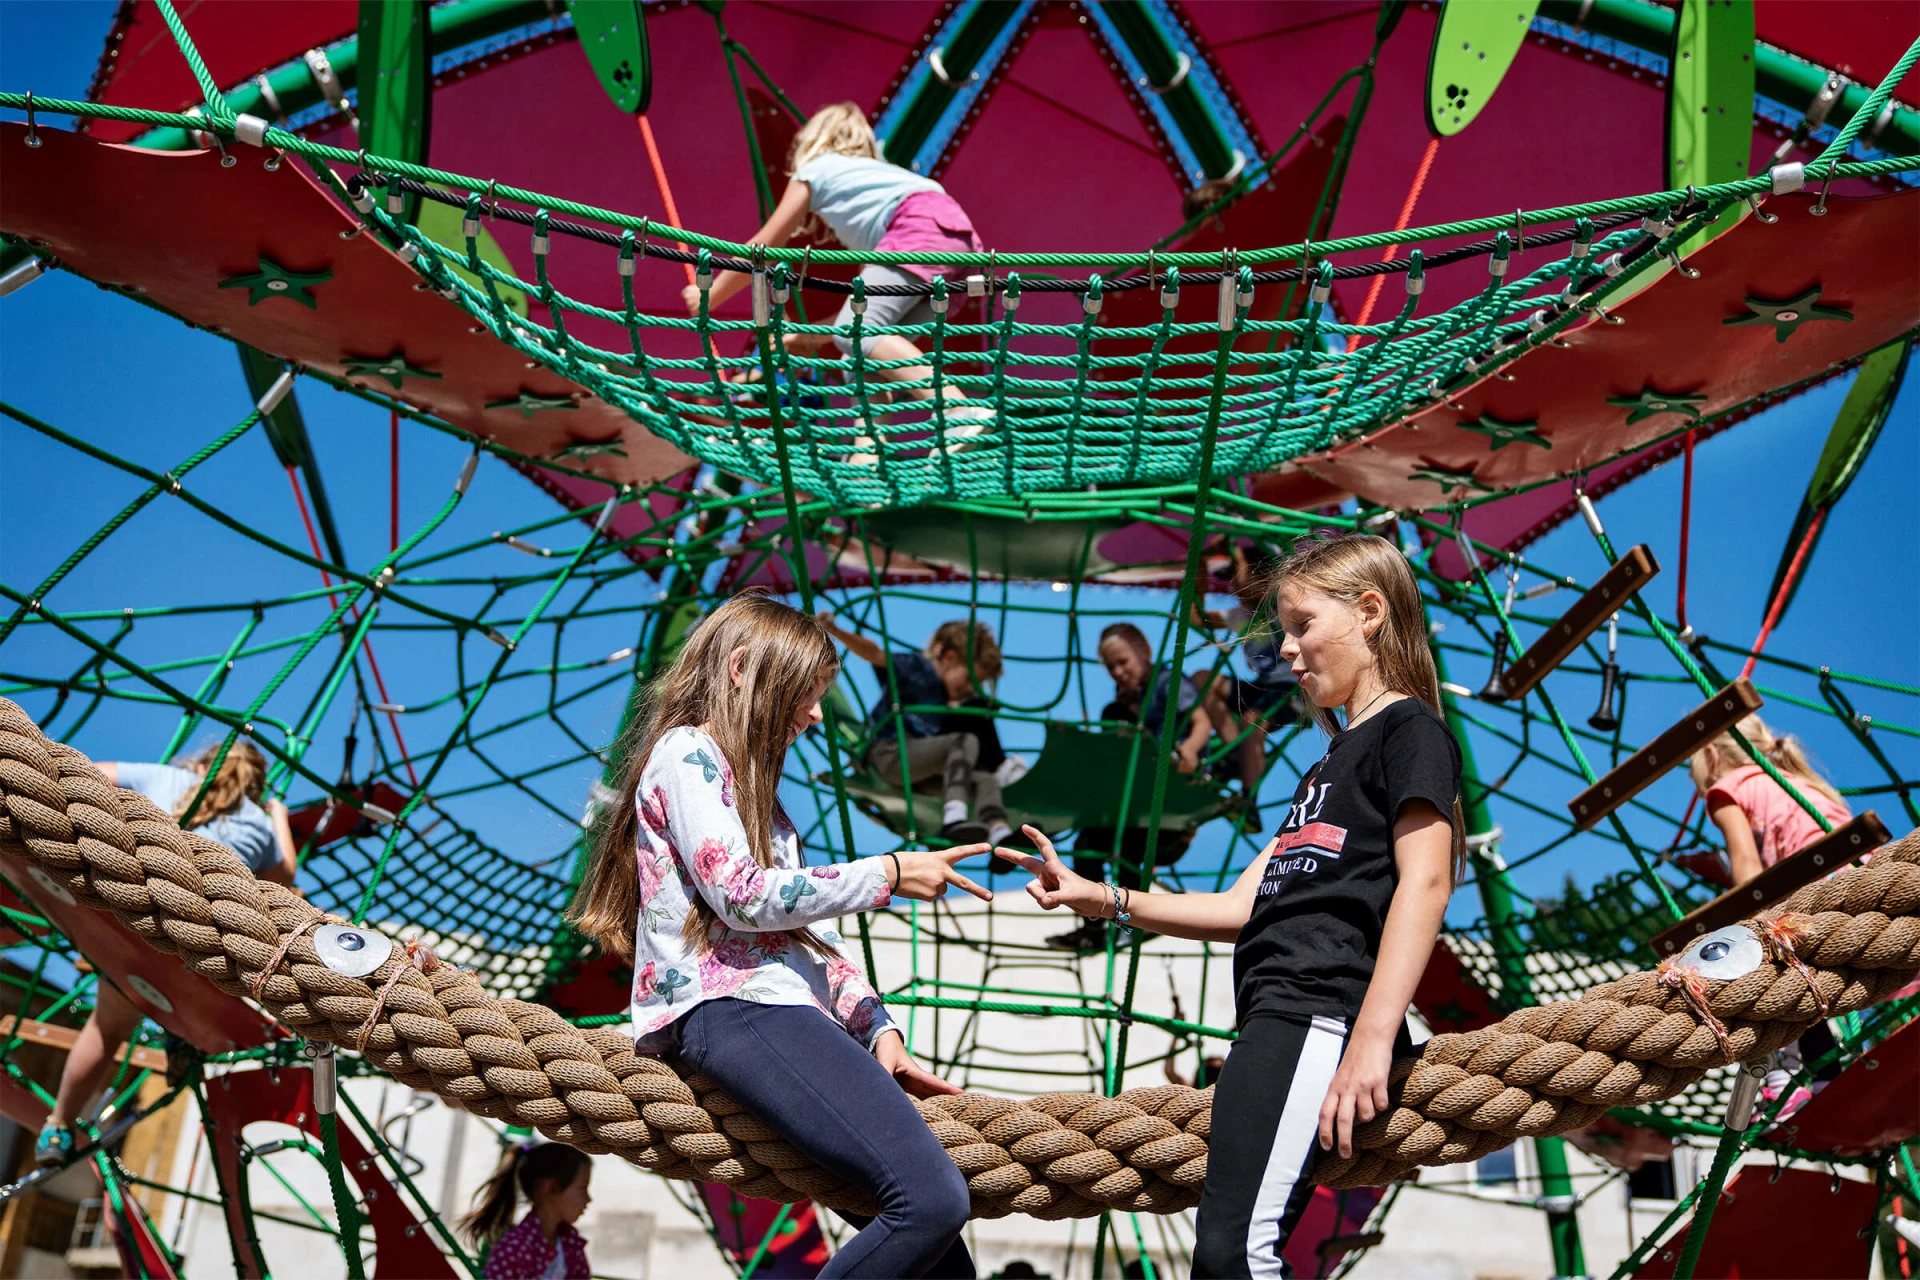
(1588, 614)
(1842, 845)
(63, 1037)
(1640, 770)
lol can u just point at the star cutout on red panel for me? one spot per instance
(1501, 434)
(393, 368)
(1448, 478)
(529, 404)
(274, 281)
(1788, 315)
(1650, 402)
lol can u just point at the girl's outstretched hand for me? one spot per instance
(925, 874)
(1054, 884)
(691, 296)
(1358, 1092)
(916, 1080)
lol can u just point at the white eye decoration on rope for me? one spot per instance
(54, 889)
(1724, 954)
(149, 993)
(352, 949)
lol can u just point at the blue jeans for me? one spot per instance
(803, 1076)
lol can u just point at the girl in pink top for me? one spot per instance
(838, 177)
(1759, 820)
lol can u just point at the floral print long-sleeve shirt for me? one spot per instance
(691, 841)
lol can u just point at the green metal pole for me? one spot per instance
(1557, 1196)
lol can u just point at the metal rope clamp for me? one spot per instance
(326, 1076)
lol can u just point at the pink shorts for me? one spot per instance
(932, 221)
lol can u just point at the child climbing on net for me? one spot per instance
(1762, 824)
(1141, 692)
(1333, 923)
(544, 1245)
(699, 880)
(961, 747)
(229, 812)
(836, 174)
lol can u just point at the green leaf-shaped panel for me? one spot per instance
(1473, 46)
(613, 34)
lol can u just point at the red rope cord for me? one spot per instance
(660, 181)
(1686, 526)
(1779, 604)
(313, 542)
(1406, 216)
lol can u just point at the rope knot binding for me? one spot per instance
(1782, 936)
(419, 956)
(1688, 982)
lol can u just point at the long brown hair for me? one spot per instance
(242, 776)
(527, 1165)
(788, 657)
(1348, 566)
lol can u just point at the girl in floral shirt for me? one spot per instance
(701, 882)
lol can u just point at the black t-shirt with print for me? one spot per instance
(1310, 944)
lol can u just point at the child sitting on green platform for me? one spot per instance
(961, 746)
(1141, 694)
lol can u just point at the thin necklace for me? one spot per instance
(1355, 718)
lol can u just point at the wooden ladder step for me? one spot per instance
(1843, 845)
(1643, 768)
(1588, 614)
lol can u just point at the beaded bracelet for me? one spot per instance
(1121, 915)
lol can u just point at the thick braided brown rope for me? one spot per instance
(1540, 1071)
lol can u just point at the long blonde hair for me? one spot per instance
(788, 657)
(1783, 751)
(242, 776)
(839, 129)
(1347, 567)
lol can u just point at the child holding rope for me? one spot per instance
(700, 881)
(838, 176)
(1334, 921)
(231, 813)
(1762, 824)
(543, 1245)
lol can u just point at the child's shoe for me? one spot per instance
(54, 1145)
(1085, 939)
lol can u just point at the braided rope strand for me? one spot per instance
(1541, 1070)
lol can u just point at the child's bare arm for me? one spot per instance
(1743, 856)
(779, 228)
(857, 645)
(1423, 853)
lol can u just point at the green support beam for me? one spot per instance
(970, 41)
(1778, 75)
(396, 96)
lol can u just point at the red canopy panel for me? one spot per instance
(1784, 1225)
(177, 224)
(141, 65)
(1868, 1107)
(1861, 39)
(1675, 341)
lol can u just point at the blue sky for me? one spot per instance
(146, 388)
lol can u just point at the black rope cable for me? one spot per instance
(358, 184)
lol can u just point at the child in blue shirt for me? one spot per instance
(230, 812)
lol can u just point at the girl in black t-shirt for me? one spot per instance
(1333, 923)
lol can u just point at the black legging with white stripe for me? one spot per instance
(1264, 1142)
